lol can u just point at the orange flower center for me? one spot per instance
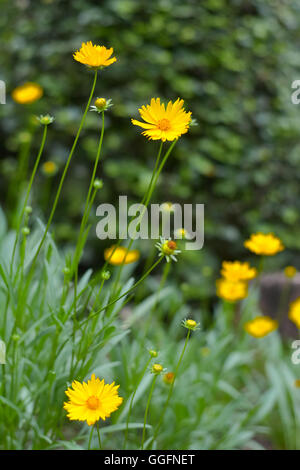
(164, 124)
(92, 403)
(172, 245)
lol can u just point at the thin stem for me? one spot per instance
(125, 293)
(88, 207)
(90, 439)
(172, 385)
(146, 411)
(131, 401)
(65, 171)
(27, 195)
(99, 438)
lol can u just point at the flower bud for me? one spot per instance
(157, 369)
(105, 275)
(98, 184)
(153, 353)
(25, 231)
(46, 119)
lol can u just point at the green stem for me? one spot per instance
(65, 172)
(90, 439)
(150, 190)
(99, 438)
(146, 411)
(27, 195)
(88, 206)
(131, 401)
(172, 385)
(125, 293)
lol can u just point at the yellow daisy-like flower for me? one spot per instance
(164, 123)
(120, 255)
(92, 401)
(94, 56)
(235, 271)
(264, 244)
(27, 93)
(260, 326)
(231, 291)
(294, 312)
(290, 271)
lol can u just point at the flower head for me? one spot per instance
(264, 244)
(290, 271)
(235, 271)
(231, 291)
(120, 255)
(157, 369)
(49, 168)
(205, 351)
(153, 353)
(27, 93)
(101, 104)
(182, 233)
(169, 377)
(45, 119)
(294, 312)
(167, 248)
(167, 207)
(94, 56)
(297, 383)
(190, 324)
(164, 122)
(92, 401)
(260, 326)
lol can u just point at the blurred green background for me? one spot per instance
(233, 63)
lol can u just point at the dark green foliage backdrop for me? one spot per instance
(232, 62)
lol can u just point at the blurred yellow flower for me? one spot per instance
(49, 168)
(120, 255)
(235, 271)
(290, 271)
(260, 326)
(92, 401)
(164, 123)
(264, 244)
(231, 291)
(27, 93)
(297, 383)
(205, 351)
(294, 312)
(168, 378)
(94, 56)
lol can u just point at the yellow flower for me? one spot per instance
(120, 255)
(205, 351)
(94, 56)
(290, 271)
(49, 168)
(235, 271)
(297, 383)
(260, 326)
(231, 291)
(294, 312)
(157, 369)
(27, 93)
(264, 244)
(168, 378)
(92, 401)
(164, 123)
